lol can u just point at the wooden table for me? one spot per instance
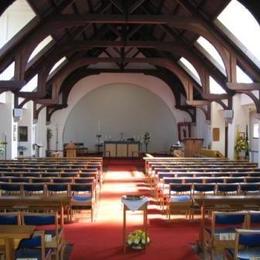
(57, 203)
(143, 208)
(11, 232)
(235, 202)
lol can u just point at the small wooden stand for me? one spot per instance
(192, 147)
(143, 208)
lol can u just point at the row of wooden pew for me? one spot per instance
(78, 182)
(26, 240)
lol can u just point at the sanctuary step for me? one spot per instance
(122, 164)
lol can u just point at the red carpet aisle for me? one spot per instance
(103, 238)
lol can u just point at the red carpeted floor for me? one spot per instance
(103, 238)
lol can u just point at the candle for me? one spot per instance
(99, 126)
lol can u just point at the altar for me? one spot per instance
(122, 149)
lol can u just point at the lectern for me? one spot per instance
(70, 150)
(192, 147)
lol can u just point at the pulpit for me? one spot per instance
(192, 147)
(70, 150)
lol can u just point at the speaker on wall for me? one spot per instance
(17, 113)
(228, 115)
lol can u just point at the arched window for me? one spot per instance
(31, 85)
(58, 64)
(40, 46)
(211, 53)
(15, 17)
(242, 28)
(190, 69)
(215, 88)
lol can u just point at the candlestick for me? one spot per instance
(99, 126)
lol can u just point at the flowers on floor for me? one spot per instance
(136, 239)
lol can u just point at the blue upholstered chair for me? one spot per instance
(179, 199)
(57, 189)
(10, 218)
(249, 188)
(83, 196)
(33, 248)
(53, 232)
(247, 245)
(207, 188)
(33, 189)
(227, 188)
(253, 219)
(221, 233)
(10, 189)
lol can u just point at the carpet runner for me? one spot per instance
(102, 239)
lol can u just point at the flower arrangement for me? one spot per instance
(147, 137)
(241, 144)
(136, 239)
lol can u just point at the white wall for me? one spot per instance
(202, 129)
(27, 120)
(217, 121)
(84, 86)
(40, 132)
(121, 108)
(8, 128)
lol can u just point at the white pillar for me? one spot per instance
(8, 128)
(217, 121)
(239, 123)
(258, 147)
(41, 132)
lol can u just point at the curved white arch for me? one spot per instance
(151, 83)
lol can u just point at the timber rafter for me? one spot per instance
(162, 31)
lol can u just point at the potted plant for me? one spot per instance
(137, 239)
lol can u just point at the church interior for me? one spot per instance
(129, 129)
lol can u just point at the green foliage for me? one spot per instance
(241, 144)
(137, 238)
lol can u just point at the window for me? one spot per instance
(190, 69)
(23, 134)
(242, 28)
(255, 130)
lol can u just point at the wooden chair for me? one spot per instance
(221, 233)
(179, 199)
(83, 196)
(247, 245)
(8, 218)
(54, 238)
(33, 248)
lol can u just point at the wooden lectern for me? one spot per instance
(70, 150)
(192, 147)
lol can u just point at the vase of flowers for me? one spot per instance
(147, 139)
(241, 145)
(138, 239)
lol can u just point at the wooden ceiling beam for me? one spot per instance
(12, 84)
(135, 6)
(248, 66)
(244, 86)
(62, 21)
(118, 5)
